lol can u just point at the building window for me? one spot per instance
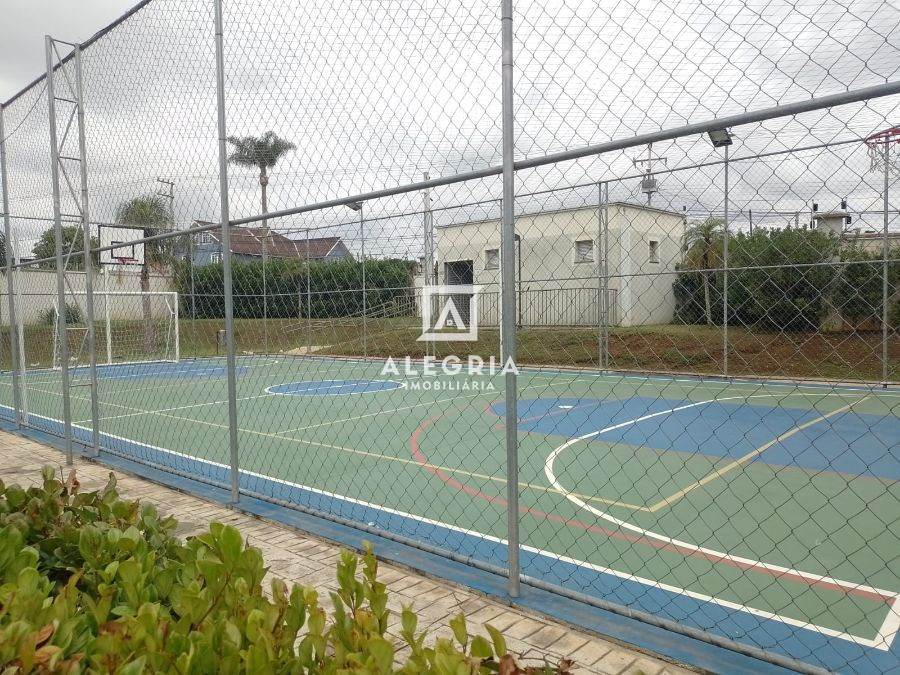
(215, 257)
(584, 251)
(653, 250)
(205, 237)
(492, 259)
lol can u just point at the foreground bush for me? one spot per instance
(93, 583)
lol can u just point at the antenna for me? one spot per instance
(649, 184)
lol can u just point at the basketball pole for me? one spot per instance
(61, 314)
(88, 262)
(106, 314)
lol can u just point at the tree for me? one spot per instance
(261, 152)
(151, 214)
(72, 240)
(702, 253)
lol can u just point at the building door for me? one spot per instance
(461, 273)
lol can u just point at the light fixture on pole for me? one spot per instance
(720, 138)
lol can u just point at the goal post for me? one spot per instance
(130, 327)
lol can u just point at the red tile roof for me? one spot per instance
(249, 241)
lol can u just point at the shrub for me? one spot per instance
(72, 314)
(92, 583)
(335, 288)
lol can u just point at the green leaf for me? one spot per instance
(231, 543)
(498, 640)
(382, 652)
(458, 626)
(481, 648)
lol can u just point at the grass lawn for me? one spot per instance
(663, 348)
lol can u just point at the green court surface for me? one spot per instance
(768, 512)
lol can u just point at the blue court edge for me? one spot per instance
(738, 624)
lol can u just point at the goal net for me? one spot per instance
(129, 327)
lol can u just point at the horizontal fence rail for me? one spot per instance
(602, 300)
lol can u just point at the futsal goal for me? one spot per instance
(129, 327)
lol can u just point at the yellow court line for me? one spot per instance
(718, 473)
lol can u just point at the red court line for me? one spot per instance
(617, 534)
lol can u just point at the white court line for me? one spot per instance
(889, 628)
(342, 384)
(891, 623)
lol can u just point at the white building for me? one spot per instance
(560, 262)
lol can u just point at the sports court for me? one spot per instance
(762, 511)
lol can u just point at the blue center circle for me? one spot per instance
(333, 387)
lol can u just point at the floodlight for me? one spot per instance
(719, 138)
(356, 206)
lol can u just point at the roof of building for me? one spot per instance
(249, 241)
(569, 209)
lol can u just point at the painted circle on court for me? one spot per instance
(333, 387)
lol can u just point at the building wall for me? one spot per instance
(556, 287)
(38, 293)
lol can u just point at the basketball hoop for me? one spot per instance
(124, 260)
(878, 144)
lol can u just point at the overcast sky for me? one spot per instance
(26, 22)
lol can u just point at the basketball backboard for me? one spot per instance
(129, 253)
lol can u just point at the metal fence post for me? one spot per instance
(264, 289)
(885, 291)
(428, 264)
(725, 275)
(308, 299)
(602, 317)
(61, 313)
(362, 234)
(15, 359)
(226, 258)
(88, 262)
(508, 301)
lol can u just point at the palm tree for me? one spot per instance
(703, 252)
(152, 215)
(262, 152)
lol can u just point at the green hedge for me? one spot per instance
(787, 280)
(92, 583)
(335, 288)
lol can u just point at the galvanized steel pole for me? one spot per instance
(224, 218)
(61, 313)
(308, 299)
(885, 290)
(725, 276)
(508, 301)
(428, 264)
(362, 234)
(15, 357)
(88, 263)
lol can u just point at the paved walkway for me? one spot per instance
(296, 557)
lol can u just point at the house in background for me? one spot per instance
(248, 244)
(559, 264)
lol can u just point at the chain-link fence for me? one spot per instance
(602, 300)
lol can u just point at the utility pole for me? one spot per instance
(170, 195)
